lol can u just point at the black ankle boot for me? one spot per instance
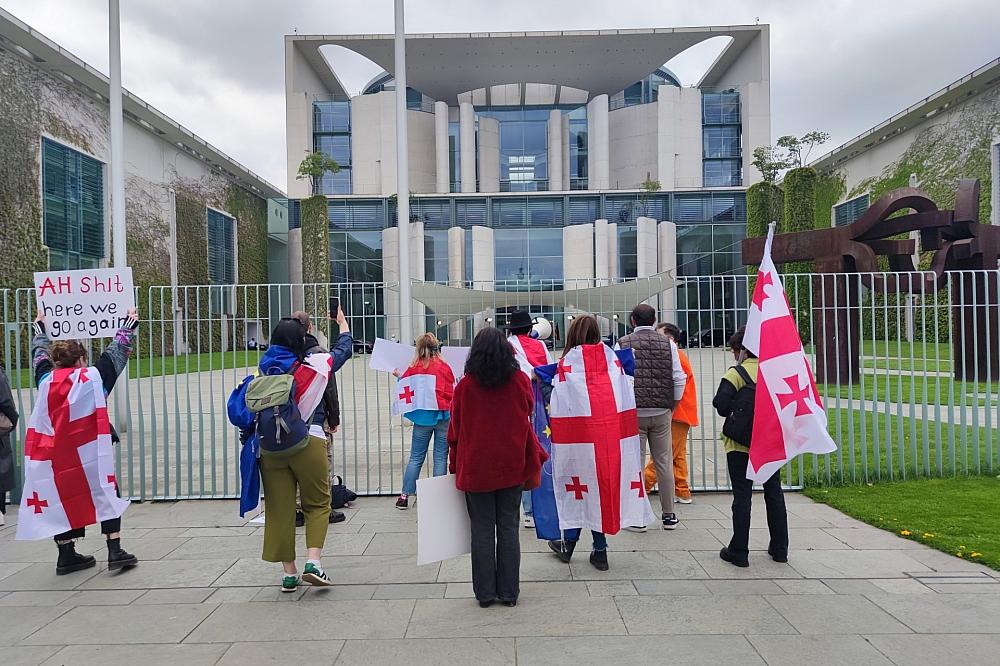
(563, 549)
(599, 558)
(70, 560)
(118, 558)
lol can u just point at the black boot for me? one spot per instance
(563, 549)
(599, 558)
(300, 519)
(118, 558)
(337, 516)
(70, 560)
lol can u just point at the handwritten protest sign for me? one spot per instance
(89, 303)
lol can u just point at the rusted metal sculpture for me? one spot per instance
(959, 242)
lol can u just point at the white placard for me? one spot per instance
(443, 529)
(89, 303)
(389, 356)
(456, 357)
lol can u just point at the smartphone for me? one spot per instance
(334, 306)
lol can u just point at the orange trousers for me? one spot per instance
(678, 433)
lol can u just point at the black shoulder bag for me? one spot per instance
(738, 426)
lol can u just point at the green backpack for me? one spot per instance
(277, 421)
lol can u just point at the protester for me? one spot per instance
(62, 376)
(683, 418)
(530, 353)
(292, 456)
(659, 385)
(8, 421)
(734, 401)
(493, 464)
(326, 418)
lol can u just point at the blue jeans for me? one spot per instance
(526, 502)
(600, 541)
(418, 451)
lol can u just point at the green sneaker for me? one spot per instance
(313, 575)
(289, 583)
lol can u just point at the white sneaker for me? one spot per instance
(529, 523)
(636, 528)
(2, 521)
(684, 500)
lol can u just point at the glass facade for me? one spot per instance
(454, 158)
(528, 259)
(644, 91)
(722, 161)
(577, 149)
(72, 207)
(221, 259)
(849, 211)
(332, 135)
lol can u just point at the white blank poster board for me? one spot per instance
(443, 529)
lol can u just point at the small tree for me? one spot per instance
(798, 148)
(769, 162)
(316, 165)
(649, 186)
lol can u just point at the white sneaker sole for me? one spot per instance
(313, 579)
(670, 527)
(290, 590)
(683, 500)
(637, 530)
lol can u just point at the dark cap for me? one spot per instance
(520, 319)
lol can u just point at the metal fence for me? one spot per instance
(896, 408)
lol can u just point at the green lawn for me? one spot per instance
(957, 515)
(903, 387)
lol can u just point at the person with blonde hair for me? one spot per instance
(427, 388)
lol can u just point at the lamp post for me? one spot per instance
(402, 180)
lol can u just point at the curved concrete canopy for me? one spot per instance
(442, 66)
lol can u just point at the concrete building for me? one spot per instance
(529, 154)
(194, 216)
(951, 134)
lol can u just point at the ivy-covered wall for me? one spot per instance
(315, 240)
(830, 189)
(800, 215)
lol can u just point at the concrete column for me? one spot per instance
(441, 157)
(602, 273)
(679, 149)
(646, 259)
(668, 262)
(467, 145)
(489, 155)
(565, 154)
(391, 276)
(456, 275)
(598, 158)
(755, 109)
(667, 102)
(556, 148)
(613, 250)
(483, 272)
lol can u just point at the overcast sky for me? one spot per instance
(217, 66)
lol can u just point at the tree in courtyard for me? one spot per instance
(649, 186)
(769, 162)
(798, 148)
(316, 165)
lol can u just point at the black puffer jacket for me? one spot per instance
(654, 368)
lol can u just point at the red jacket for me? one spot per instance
(491, 441)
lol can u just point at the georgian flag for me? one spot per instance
(311, 377)
(529, 352)
(69, 477)
(429, 388)
(788, 413)
(596, 461)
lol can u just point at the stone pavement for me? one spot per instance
(850, 594)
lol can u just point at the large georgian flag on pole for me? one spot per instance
(430, 388)
(596, 465)
(788, 414)
(69, 479)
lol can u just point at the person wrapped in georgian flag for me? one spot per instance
(531, 353)
(69, 480)
(423, 395)
(596, 461)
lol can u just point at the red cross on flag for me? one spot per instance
(430, 388)
(596, 465)
(788, 413)
(69, 461)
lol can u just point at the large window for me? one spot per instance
(644, 91)
(849, 211)
(436, 255)
(528, 258)
(527, 211)
(454, 157)
(577, 149)
(221, 259)
(720, 108)
(709, 249)
(332, 135)
(628, 251)
(72, 207)
(356, 256)
(722, 163)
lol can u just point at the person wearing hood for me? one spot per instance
(327, 414)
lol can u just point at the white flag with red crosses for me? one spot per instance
(69, 463)
(596, 460)
(788, 413)
(429, 388)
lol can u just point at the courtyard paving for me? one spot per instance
(850, 594)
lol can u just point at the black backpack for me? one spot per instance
(738, 426)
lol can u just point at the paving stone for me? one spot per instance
(935, 560)
(119, 625)
(919, 650)
(410, 591)
(852, 586)
(276, 594)
(803, 586)
(103, 597)
(161, 573)
(245, 530)
(152, 548)
(966, 588)
(659, 539)
(179, 595)
(761, 566)
(18, 622)
(603, 650)
(682, 588)
(148, 655)
(393, 543)
(900, 585)
(835, 614)
(42, 576)
(236, 623)
(533, 616)
(429, 652)
(612, 588)
(653, 564)
(231, 547)
(28, 656)
(282, 652)
(53, 598)
(339, 593)
(43, 550)
(534, 567)
(707, 614)
(821, 651)
(855, 564)
(742, 587)
(872, 538)
(799, 539)
(387, 526)
(229, 595)
(563, 589)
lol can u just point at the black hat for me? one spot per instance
(520, 319)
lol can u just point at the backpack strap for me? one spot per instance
(744, 375)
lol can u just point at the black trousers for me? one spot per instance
(496, 549)
(107, 527)
(774, 500)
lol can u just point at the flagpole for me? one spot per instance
(117, 164)
(402, 180)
